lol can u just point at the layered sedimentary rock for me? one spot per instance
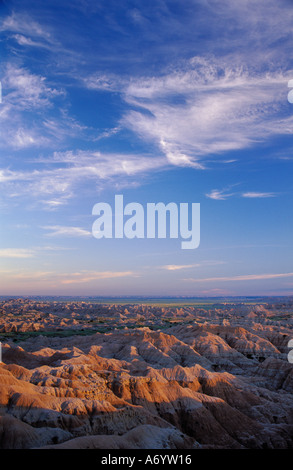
(192, 385)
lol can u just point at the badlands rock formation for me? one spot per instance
(194, 385)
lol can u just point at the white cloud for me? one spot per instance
(16, 253)
(219, 195)
(24, 41)
(25, 90)
(256, 194)
(217, 110)
(176, 267)
(202, 264)
(103, 82)
(65, 231)
(53, 279)
(25, 97)
(77, 278)
(222, 194)
(248, 277)
(108, 133)
(25, 27)
(203, 107)
(36, 276)
(69, 169)
(208, 107)
(24, 253)
(53, 204)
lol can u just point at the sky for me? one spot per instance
(182, 101)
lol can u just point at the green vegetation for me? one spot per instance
(154, 301)
(23, 336)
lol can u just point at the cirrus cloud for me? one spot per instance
(65, 231)
(246, 277)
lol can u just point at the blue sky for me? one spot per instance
(161, 101)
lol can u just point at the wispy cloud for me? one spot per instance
(78, 278)
(222, 194)
(202, 107)
(107, 133)
(25, 96)
(25, 41)
(247, 277)
(53, 204)
(26, 27)
(255, 194)
(28, 252)
(198, 107)
(219, 195)
(64, 231)
(26, 90)
(209, 107)
(64, 171)
(16, 253)
(104, 82)
(50, 278)
(177, 267)
(36, 276)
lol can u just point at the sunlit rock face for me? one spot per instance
(191, 384)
